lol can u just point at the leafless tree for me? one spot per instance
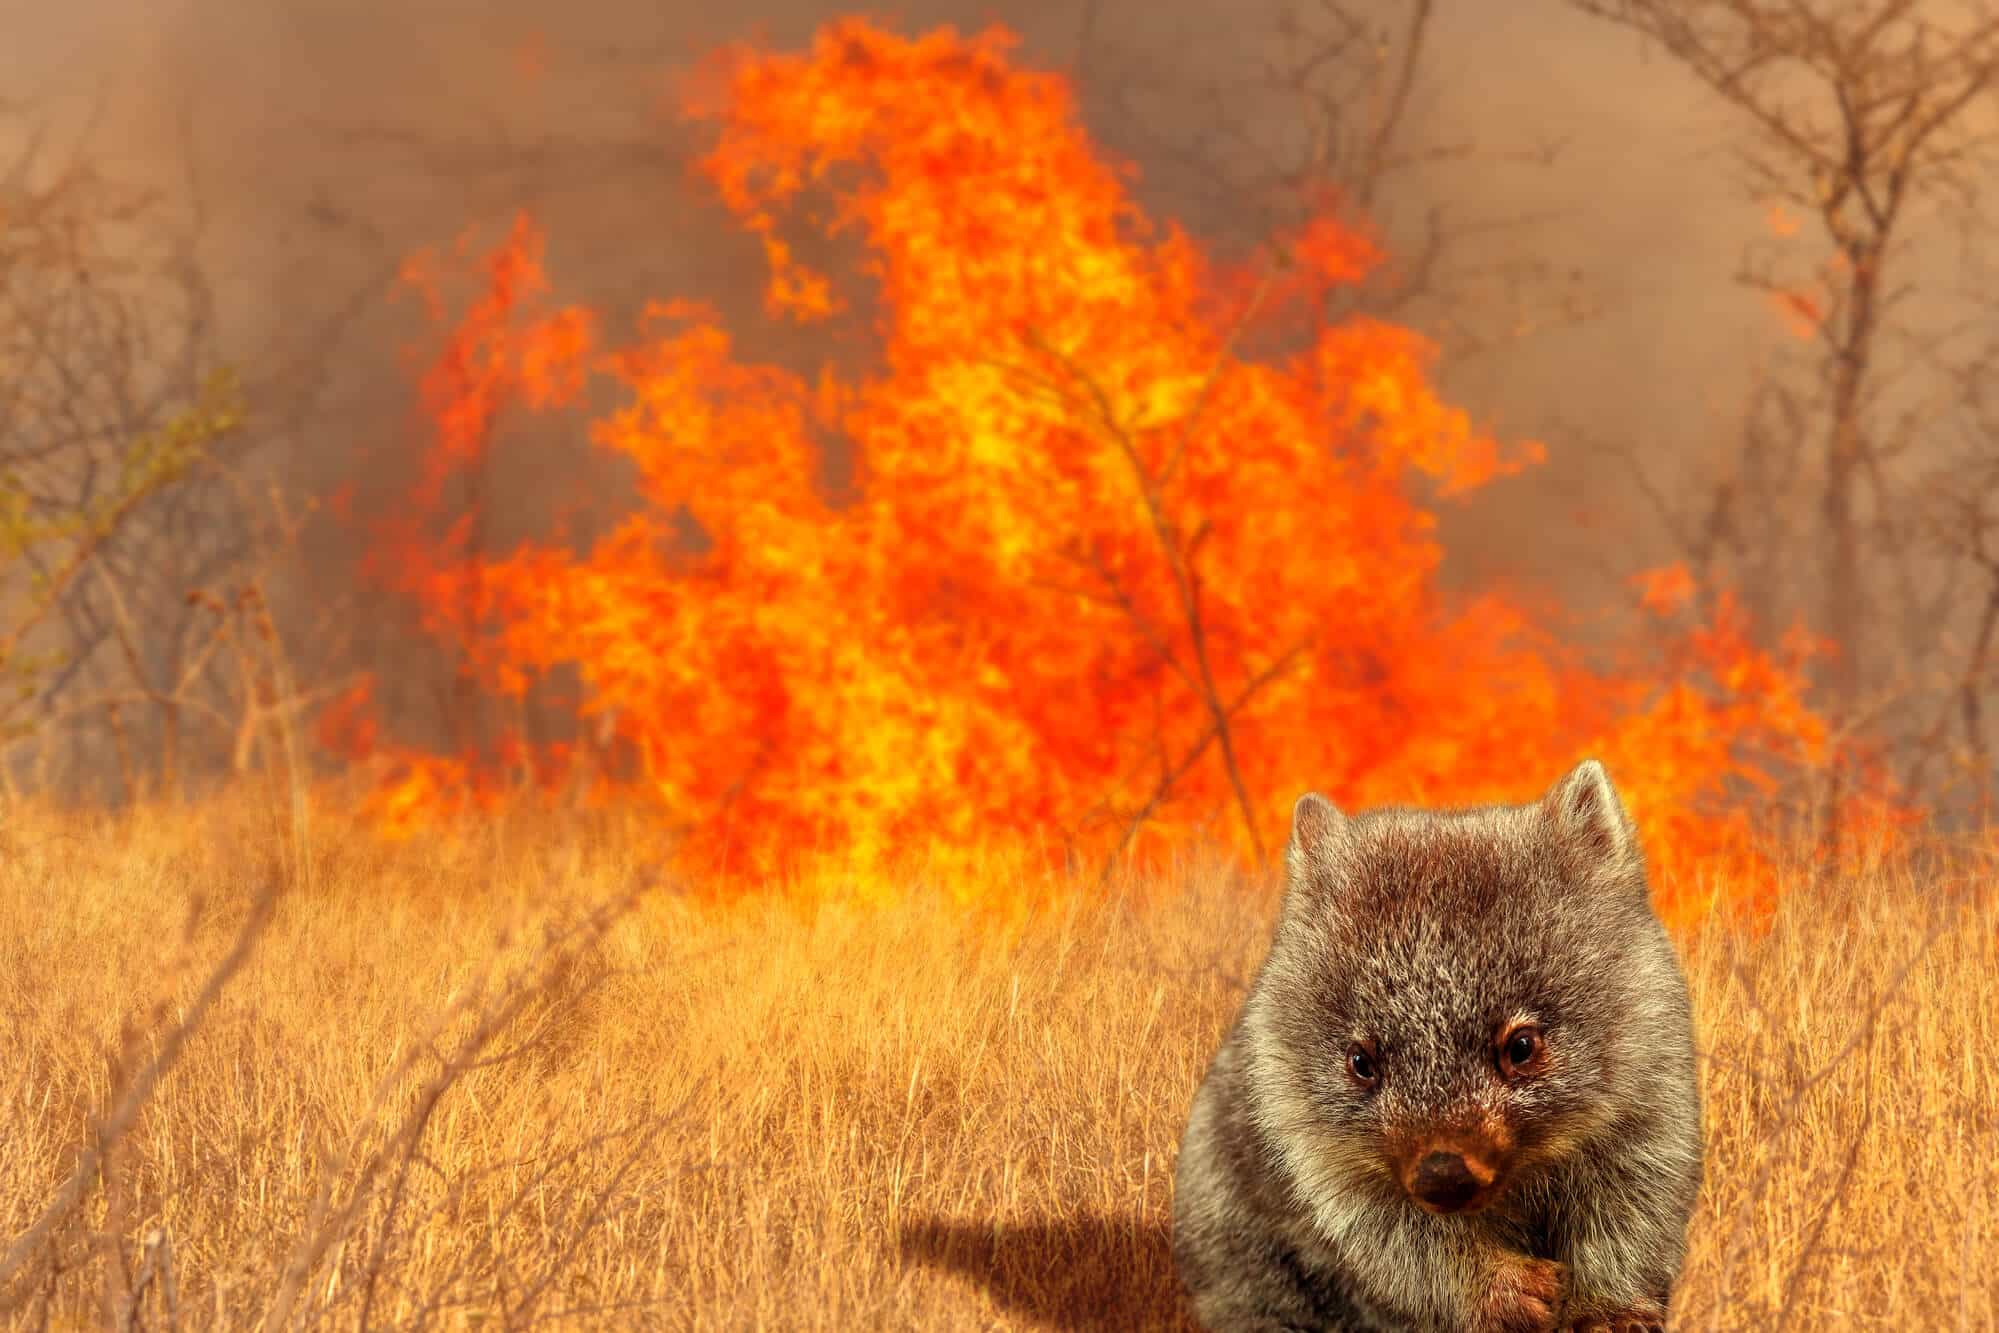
(130, 502)
(1957, 509)
(1868, 130)
(1312, 105)
(1870, 118)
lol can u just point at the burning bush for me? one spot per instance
(1142, 544)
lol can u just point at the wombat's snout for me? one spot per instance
(1447, 1182)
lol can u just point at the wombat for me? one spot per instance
(1460, 1094)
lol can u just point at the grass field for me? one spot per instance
(416, 1101)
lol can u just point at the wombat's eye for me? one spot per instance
(1364, 1064)
(1520, 1051)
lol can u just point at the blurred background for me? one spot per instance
(1729, 261)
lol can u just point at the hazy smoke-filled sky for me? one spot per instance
(329, 137)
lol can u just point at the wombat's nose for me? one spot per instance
(1444, 1182)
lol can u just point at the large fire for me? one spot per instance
(1139, 548)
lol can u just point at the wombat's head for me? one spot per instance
(1456, 998)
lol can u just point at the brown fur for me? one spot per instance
(1450, 1188)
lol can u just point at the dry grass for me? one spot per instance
(411, 1105)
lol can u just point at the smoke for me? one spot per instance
(317, 142)
(402, 123)
(331, 137)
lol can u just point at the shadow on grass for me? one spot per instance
(1085, 1274)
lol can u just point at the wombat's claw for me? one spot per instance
(1525, 1295)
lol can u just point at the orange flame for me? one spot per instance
(1783, 224)
(1112, 578)
(530, 57)
(1803, 312)
(1665, 590)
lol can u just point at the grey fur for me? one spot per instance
(1428, 933)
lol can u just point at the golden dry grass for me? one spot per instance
(859, 1117)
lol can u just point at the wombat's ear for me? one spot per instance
(1586, 816)
(1315, 858)
(1315, 822)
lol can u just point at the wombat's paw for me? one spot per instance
(1642, 1318)
(1524, 1296)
